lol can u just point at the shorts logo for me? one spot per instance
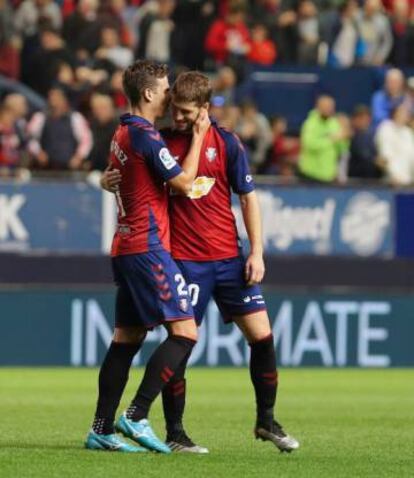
(201, 187)
(211, 154)
(167, 160)
(246, 300)
(249, 178)
(183, 305)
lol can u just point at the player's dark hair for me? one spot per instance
(192, 86)
(142, 75)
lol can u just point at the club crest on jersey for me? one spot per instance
(211, 154)
(201, 187)
(184, 305)
(167, 160)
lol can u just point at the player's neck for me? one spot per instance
(144, 113)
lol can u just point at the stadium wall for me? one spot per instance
(339, 281)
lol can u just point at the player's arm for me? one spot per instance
(241, 182)
(183, 182)
(254, 268)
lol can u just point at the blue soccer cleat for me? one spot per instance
(142, 433)
(111, 442)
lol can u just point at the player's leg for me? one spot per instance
(113, 376)
(200, 280)
(264, 376)
(167, 302)
(245, 306)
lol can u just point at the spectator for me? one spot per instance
(117, 92)
(60, 138)
(284, 152)
(322, 143)
(395, 143)
(228, 39)
(402, 32)
(9, 43)
(16, 104)
(224, 84)
(255, 133)
(364, 161)
(262, 49)
(103, 125)
(32, 14)
(344, 45)
(385, 100)
(112, 51)
(308, 33)
(82, 29)
(375, 32)
(156, 41)
(11, 144)
(45, 64)
(192, 19)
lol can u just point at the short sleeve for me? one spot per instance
(238, 170)
(150, 144)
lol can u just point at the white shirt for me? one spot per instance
(395, 144)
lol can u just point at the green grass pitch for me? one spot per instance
(351, 423)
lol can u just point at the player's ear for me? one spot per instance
(148, 95)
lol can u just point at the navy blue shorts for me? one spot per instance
(151, 290)
(224, 281)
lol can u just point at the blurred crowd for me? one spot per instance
(72, 53)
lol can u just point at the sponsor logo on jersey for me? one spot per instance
(183, 305)
(211, 154)
(167, 160)
(201, 187)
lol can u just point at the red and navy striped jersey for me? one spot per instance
(145, 162)
(202, 224)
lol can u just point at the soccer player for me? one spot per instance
(205, 246)
(150, 290)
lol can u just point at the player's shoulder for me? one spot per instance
(230, 138)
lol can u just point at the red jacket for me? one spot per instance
(220, 34)
(263, 52)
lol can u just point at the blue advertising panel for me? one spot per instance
(50, 216)
(325, 221)
(56, 327)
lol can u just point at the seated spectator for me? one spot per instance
(375, 33)
(255, 133)
(395, 143)
(308, 33)
(228, 38)
(284, 152)
(386, 99)
(111, 50)
(262, 49)
(103, 124)
(364, 160)
(322, 143)
(60, 139)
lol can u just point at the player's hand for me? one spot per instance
(110, 180)
(254, 269)
(202, 124)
